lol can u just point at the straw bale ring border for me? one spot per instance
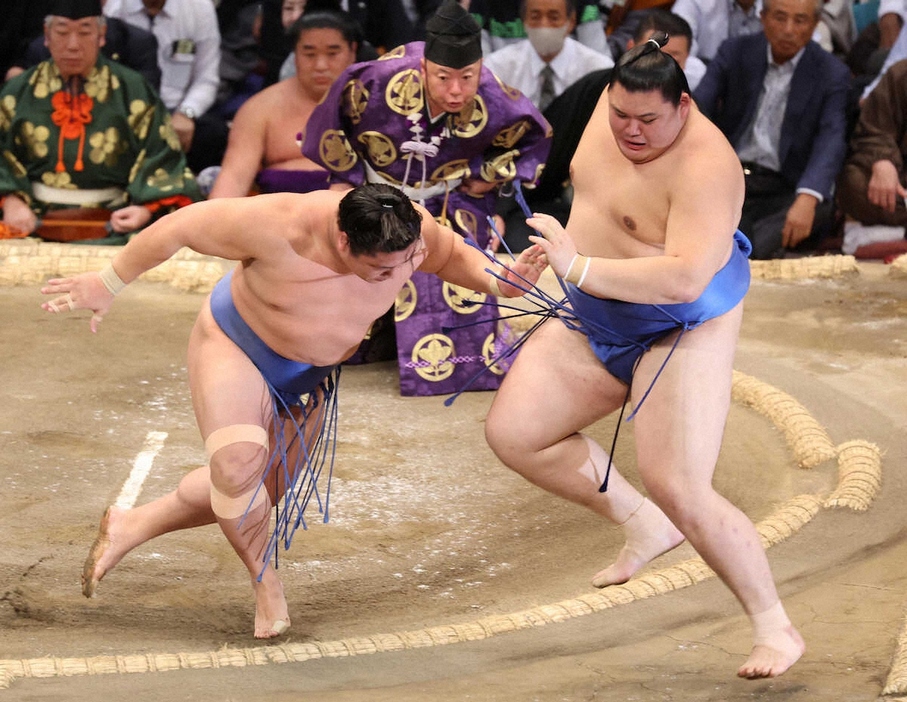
(859, 478)
(27, 262)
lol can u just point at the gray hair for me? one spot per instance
(102, 20)
(818, 3)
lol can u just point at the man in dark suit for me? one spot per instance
(781, 101)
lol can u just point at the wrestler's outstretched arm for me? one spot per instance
(452, 259)
(230, 228)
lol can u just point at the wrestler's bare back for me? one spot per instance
(623, 209)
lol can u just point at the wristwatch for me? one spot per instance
(188, 111)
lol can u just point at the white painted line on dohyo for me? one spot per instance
(154, 442)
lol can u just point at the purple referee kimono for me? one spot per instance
(372, 126)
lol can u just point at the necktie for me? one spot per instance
(547, 93)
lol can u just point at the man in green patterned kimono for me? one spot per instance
(81, 131)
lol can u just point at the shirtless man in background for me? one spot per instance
(263, 147)
(315, 271)
(659, 231)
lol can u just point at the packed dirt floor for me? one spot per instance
(441, 575)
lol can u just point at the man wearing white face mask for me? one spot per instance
(549, 60)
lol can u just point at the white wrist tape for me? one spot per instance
(570, 267)
(493, 283)
(111, 280)
(582, 278)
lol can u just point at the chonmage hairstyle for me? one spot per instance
(378, 218)
(646, 67)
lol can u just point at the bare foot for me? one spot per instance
(271, 615)
(769, 659)
(649, 534)
(104, 553)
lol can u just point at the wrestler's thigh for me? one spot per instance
(226, 386)
(555, 388)
(680, 426)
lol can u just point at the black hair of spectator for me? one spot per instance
(646, 67)
(570, 6)
(326, 19)
(661, 20)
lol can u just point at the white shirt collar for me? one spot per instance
(792, 62)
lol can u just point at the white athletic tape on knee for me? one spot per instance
(227, 507)
(234, 434)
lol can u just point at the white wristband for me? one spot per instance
(111, 280)
(570, 267)
(582, 277)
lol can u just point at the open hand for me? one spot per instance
(525, 271)
(84, 291)
(554, 241)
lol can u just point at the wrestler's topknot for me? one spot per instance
(378, 218)
(646, 67)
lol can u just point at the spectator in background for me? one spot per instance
(79, 130)
(388, 25)
(897, 53)
(680, 41)
(385, 23)
(123, 42)
(623, 21)
(874, 43)
(837, 28)
(264, 149)
(713, 21)
(502, 24)
(542, 67)
(549, 60)
(420, 11)
(293, 10)
(781, 101)
(871, 185)
(189, 56)
(241, 66)
(892, 14)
